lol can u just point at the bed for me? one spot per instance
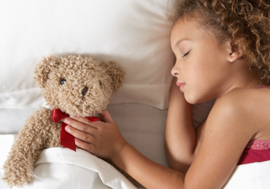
(133, 33)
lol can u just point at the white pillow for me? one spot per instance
(133, 33)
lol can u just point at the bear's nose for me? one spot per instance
(84, 91)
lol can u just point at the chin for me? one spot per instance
(190, 99)
(194, 99)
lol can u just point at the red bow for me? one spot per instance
(66, 139)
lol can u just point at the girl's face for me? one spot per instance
(202, 67)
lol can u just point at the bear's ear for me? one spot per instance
(43, 69)
(116, 73)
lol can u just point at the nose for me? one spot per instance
(84, 91)
(175, 72)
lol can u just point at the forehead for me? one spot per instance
(190, 30)
(185, 29)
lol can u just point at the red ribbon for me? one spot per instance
(66, 139)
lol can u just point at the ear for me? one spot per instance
(234, 53)
(116, 73)
(44, 68)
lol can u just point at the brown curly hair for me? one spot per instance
(246, 23)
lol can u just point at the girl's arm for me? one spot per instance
(104, 140)
(180, 135)
(227, 131)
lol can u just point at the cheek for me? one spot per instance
(191, 71)
(198, 68)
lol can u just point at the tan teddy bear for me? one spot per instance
(74, 85)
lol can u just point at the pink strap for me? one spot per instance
(259, 144)
(263, 86)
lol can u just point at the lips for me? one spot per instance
(181, 85)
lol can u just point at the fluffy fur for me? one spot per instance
(78, 86)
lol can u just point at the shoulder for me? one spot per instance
(41, 115)
(242, 107)
(230, 104)
(36, 121)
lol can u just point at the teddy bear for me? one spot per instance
(73, 85)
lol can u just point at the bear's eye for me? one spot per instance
(62, 81)
(100, 83)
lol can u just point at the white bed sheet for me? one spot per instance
(250, 176)
(63, 168)
(81, 169)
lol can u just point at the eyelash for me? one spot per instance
(186, 54)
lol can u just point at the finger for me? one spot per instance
(86, 137)
(85, 146)
(107, 116)
(81, 119)
(84, 120)
(79, 125)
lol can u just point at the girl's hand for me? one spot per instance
(101, 138)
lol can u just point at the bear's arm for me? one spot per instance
(36, 135)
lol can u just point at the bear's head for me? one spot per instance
(80, 86)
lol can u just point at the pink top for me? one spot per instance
(256, 150)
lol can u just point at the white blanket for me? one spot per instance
(63, 168)
(250, 176)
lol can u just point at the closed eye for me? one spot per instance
(186, 54)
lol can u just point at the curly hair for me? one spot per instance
(246, 23)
